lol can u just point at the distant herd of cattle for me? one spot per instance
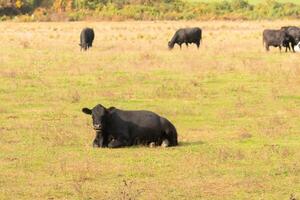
(181, 36)
(287, 36)
(118, 128)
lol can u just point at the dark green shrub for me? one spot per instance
(155, 9)
(240, 5)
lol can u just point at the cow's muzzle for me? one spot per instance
(98, 127)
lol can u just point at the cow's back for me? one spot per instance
(139, 117)
(193, 34)
(272, 36)
(139, 127)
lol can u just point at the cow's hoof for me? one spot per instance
(95, 145)
(165, 143)
(152, 145)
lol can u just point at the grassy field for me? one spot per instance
(250, 1)
(236, 109)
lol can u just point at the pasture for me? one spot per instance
(236, 109)
(250, 1)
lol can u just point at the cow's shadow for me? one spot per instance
(180, 144)
(194, 143)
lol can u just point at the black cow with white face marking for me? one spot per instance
(118, 128)
(87, 36)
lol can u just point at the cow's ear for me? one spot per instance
(108, 110)
(87, 111)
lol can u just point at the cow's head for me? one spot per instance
(297, 47)
(83, 46)
(297, 39)
(286, 38)
(170, 45)
(284, 28)
(98, 115)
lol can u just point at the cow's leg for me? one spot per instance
(292, 44)
(101, 140)
(187, 44)
(279, 48)
(165, 143)
(104, 140)
(95, 143)
(288, 47)
(117, 143)
(198, 44)
(98, 142)
(180, 45)
(267, 47)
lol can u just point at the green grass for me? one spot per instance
(236, 109)
(250, 1)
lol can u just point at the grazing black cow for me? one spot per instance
(293, 34)
(276, 38)
(118, 128)
(186, 35)
(86, 38)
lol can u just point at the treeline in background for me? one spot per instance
(74, 10)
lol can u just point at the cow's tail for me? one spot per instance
(170, 133)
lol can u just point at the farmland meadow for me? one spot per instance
(235, 106)
(250, 1)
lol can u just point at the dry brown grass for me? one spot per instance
(235, 106)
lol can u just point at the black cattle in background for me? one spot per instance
(275, 38)
(293, 33)
(87, 36)
(118, 128)
(187, 36)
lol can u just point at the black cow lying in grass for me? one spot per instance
(118, 128)
(86, 38)
(187, 36)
